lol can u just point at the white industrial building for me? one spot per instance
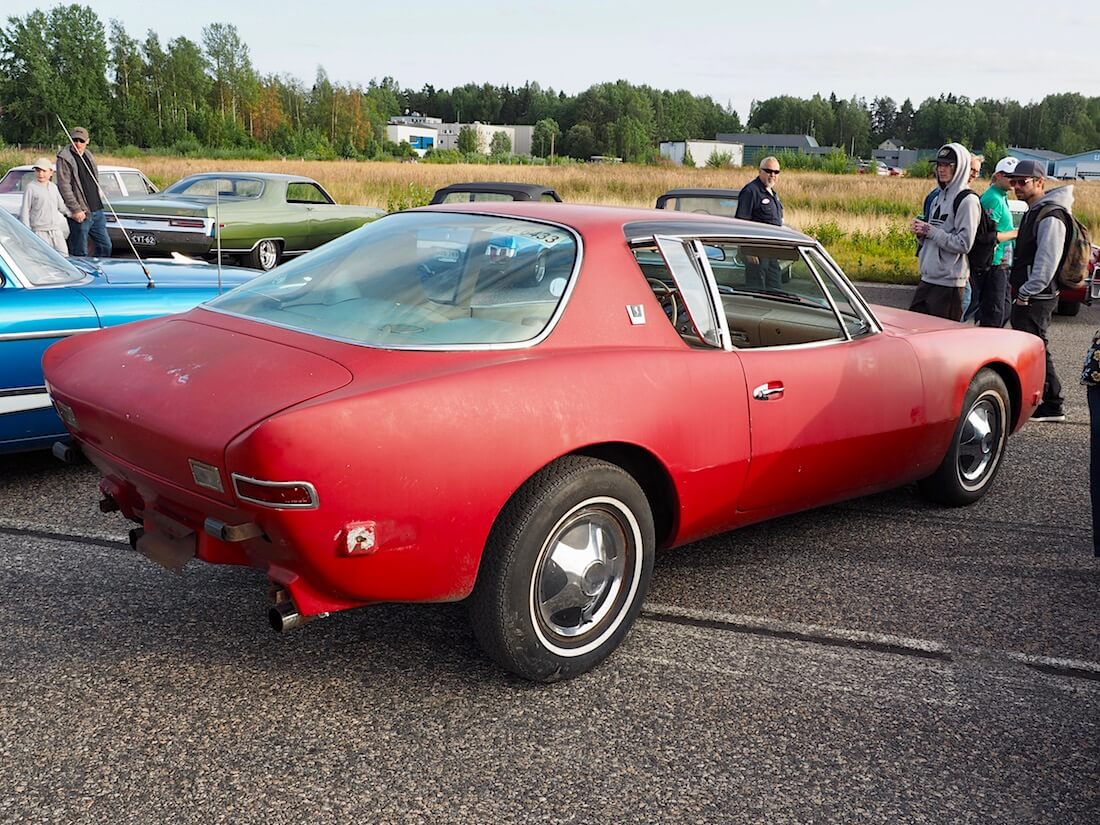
(420, 138)
(701, 151)
(448, 136)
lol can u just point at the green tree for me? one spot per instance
(468, 141)
(500, 145)
(544, 137)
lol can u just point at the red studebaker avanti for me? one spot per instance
(401, 415)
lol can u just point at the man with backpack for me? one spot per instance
(991, 294)
(947, 237)
(1048, 239)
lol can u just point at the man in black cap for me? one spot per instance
(946, 237)
(78, 180)
(1040, 246)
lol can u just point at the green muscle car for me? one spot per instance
(259, 217)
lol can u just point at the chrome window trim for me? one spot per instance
(146, 223)
(563, 302)
(45, 333)
(314, 501)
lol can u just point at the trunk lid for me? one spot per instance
(158, 393)
(168, 205)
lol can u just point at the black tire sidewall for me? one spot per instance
(501, 605)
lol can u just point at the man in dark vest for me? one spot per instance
(758, 202)
(1040, 247)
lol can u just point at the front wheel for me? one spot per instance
(977, 446)
(565, 570)
(265, 255)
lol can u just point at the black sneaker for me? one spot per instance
(1048, 412)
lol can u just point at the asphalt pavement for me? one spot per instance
(881, 660)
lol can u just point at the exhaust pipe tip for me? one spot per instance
(284, 616)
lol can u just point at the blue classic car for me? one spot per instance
(45, 297)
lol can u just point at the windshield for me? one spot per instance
(40, 263)
(420, 280)
(226, 186)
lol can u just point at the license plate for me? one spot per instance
(144, 240)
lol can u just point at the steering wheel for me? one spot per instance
(666, 297)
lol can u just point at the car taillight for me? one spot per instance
(278, 494)
(190, 223)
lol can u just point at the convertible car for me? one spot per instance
(526, 447)
(258, 217)
(721, 202)
(487, 190)
(45, 297)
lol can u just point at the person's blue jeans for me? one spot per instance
(93, 226)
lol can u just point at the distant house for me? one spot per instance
(1041, 155)
(893, 153)
(701, 151)
(759, 146)
(1084, 165)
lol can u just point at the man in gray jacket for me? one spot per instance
(78, 180)
(1040, 247)
(946, 237)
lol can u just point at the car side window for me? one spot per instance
(548, 198)
(134, 183)
(304, 192)
(855, 322)
(110, 184)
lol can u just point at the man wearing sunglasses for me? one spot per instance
(758, 202)
(1040, 245)
(78, 180)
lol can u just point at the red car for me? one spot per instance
(365, 430)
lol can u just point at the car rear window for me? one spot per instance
(420, 280)
(226, 187)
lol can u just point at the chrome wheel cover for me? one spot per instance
(586, 576)
(980, 440)
(268, 254)
(540, 268)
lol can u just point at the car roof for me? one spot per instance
(272, 176)
(530, 190)
(630, 221)
(26, 167)
(700, 193)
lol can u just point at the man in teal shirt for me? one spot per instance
(991, 294)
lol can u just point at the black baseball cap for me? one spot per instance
(1029, 169)
(947, 155)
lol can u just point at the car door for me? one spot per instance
(30, 320)
(318, 219)
(834, 403)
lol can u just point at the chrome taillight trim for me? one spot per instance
(313, 503)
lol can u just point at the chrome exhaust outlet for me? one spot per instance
(284, 616)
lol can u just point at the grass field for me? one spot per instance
(862, 220)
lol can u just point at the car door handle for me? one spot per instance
(771, 391)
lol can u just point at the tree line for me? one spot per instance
(190, 97)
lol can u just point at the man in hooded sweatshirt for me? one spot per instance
(946, 237)
(1040, 246)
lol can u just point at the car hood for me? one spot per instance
(158, 393)
(167, 205)
(11, 202)
(169, 273)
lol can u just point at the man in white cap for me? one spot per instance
(43, 210)
(991, 293)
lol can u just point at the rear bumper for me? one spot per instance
(196, 525)
(156, 241)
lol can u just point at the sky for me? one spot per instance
(734, 52)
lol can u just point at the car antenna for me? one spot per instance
(218, 231)
(106, 200)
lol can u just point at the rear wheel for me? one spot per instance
(265, 255)
(538, 270)
(977, 446)
(564, 571)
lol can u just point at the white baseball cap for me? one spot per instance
(1006, 165)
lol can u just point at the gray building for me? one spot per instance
(1083, 165)
(759, 146)
(1041, 155)
(893, 153)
